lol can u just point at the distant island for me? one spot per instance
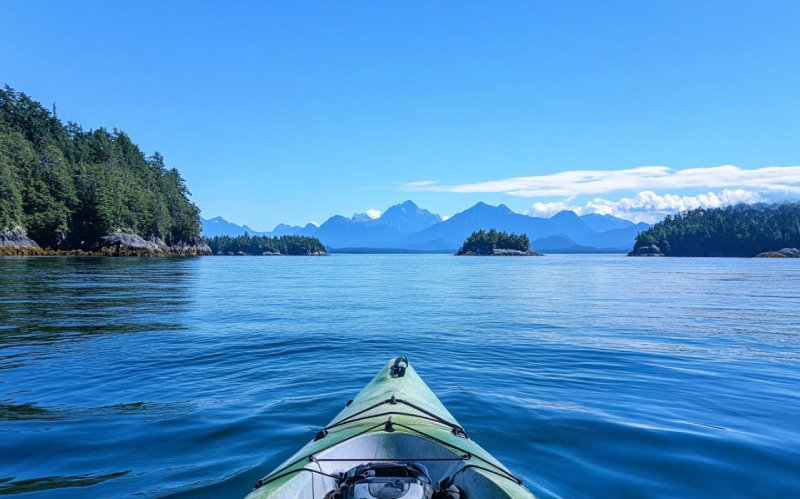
(494, 243)
(69, 191)
(735, 231)
(266, 245)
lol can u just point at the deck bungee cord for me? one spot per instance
(389, 427)
(457, 430)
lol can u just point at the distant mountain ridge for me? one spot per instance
(408, 227)
(573, 230)
(218, 226)
(602, 223)
(395, 223)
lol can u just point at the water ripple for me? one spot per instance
(589, 376)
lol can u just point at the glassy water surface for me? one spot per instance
(588, 376)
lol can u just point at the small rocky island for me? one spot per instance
(494, 243)
(246, 245)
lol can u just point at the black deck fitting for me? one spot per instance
(399, 367)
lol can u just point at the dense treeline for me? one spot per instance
(259, 245)
(68, 187)
(741, 230)
(486, 242)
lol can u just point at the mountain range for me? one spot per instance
(407, 227)
(218, 226)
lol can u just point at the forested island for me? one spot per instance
(66, 190)
(735, 231)
(265, 245)
(494, 243)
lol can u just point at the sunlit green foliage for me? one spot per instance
(258, 245)
(485, 242)
(733, 231)
(69, 187)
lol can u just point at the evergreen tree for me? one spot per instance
(259, 245)
(743, 230)
(69, 187)
(486, 242)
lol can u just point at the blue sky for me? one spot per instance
(295, 111)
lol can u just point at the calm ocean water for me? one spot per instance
(588, 376)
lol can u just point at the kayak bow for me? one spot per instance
(395, 440)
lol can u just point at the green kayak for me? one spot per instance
(395, 440)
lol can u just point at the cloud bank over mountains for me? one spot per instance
(655, 185)
(592, 182)
(647, 206)
(581, 220)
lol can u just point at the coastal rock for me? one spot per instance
(500, 252)
(651, 250)
(17, 242)
(196, 247)
(122, 244)
(782, 253)
(160, 244)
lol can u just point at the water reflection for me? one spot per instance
(10, 486)
(46, 300)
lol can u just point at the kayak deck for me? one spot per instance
(396, 418)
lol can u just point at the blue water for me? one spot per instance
(588, 376)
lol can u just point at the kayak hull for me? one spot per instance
(396, 418)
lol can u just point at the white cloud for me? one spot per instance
(592, 182)
(445, 217)
(547, 210)
(421, 184)
(373, 213)
(647, 206)
(314, 223)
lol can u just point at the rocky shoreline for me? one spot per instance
(781, 253)
(654, 250)
(15, 242)
(651, 250)
(500, 252)
(271, 253)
